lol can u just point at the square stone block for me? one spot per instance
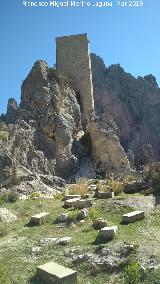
(107, 233)
(83, 203)
(132, 216)
(53, 273)
(39, 218)
(70, 202)
(104, 195)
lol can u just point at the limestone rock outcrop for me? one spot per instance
(38, 140)
(47, 120)
(106, 149)
(134, 106)
(49, 101)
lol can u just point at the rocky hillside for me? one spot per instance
(134, 105)
(43, 137)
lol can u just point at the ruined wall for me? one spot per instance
(73, 59)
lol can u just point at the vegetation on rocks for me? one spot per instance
(8, 197)
(3, 135)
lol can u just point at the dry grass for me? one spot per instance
(81, 187)
(117, 186)
(102, 187)
(129, 178)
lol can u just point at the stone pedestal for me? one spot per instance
(106, 234)
(70, 202)
(132, 216)
(72, 196)
(83, 203)
(53, 273)
(39, 218)
(104, 195)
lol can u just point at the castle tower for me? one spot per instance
(73, 59)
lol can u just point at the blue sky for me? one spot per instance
(129, 36)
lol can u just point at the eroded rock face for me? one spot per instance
(134, 105)
(6, 168)
(153, 175)
(106, 149)
(42, 131)
(48, 100)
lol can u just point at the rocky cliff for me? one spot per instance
(134, 105)
(38, 137)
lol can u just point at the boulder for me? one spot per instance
(64, 241)
(99, 224)
(62, 218)
(47, 241)
(92, 187)
(53, 273)
(82, 214)
(133, 216)
(107, 151)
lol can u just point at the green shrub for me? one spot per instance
(3, 135)
(59, 196)
(132, 273)
(34, 194)
(4, 275)
(8, 197)
(94, 214)
(72, 216)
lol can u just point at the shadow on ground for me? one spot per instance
(36, 280)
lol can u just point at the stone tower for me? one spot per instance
(73, 59)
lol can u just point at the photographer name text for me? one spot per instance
(74, 3)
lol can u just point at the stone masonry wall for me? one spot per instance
(73, 59)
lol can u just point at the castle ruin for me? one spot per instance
(73, 59)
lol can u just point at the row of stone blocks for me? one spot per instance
(127, 218)
(52, 273)
(108, 233)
